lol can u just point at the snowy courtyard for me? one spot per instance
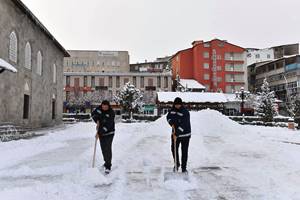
(226, 161)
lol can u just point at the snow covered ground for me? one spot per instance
(254, 163)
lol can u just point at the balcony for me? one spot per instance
(293, 66)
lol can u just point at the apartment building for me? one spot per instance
(216, 64)
(283, 75)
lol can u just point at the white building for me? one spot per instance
(259, 55)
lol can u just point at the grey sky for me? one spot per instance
(156, 28)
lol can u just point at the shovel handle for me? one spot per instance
(94, 155)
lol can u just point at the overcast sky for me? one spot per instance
(156, 28)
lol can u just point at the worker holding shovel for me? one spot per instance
(104, 116)
(179, 119)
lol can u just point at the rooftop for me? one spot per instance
(191, 84)
(33, 18)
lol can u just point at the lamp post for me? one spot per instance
(242, 94)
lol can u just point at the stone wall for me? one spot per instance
(40, 88)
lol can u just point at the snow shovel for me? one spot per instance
(92, 176)
(95, 146)
(175, 153)
(94, 155)
(168, 176)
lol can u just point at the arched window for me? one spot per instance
(28, 56)
(54, 73)
(13, 47)
(39, 65)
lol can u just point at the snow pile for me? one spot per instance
(192, 97)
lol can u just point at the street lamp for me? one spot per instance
(242, 94)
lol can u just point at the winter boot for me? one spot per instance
(107, 171)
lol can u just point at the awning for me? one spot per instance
(6, 66)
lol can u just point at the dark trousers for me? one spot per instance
(105, 144)
(184, 141)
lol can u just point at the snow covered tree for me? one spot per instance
(293, 107)
(130, 98)
(265, 103)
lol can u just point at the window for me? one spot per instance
(142, 83)
(219, 79)
(166, 82)
(110, 94)
(13, 47)
(53, 108)
(134, 80)
(126, 80)
(39, 65)
(26, 107)
(206, 65)
(84, 81)
(67, 95)
(206, 76)
(110, 82)
(68, 80)
(118, 81)
(93, 81)
(257, 56)
(229, 67)
(205, 55)
(28, 56)
(268, 56)
(150, 82)
(54, 73)
(101, 81)
(219, 68)
(219, 57)
(158, 82)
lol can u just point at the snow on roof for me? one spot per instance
(231, 97)
(191, 83)
(6, 66)
(192, 97)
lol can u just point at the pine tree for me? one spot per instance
(130, 98)
(265, 103)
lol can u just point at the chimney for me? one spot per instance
(196, 42)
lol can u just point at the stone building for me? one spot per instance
(32, 97)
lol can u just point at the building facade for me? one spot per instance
(97, 61)
(86, 87)
(259, 55)
(159, 65)
(216, 64)
(32, 97)
(283, 76)
(258, 58)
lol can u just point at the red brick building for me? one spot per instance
(216, 64)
